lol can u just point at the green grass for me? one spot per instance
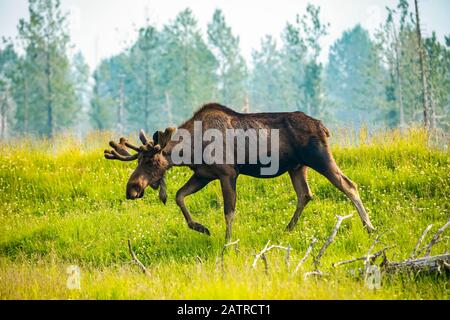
(64, 204)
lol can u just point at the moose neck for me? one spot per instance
(167, 154)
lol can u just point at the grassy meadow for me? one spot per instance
(63, 204)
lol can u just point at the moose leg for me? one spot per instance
(349, 188)
(304, 195)
(228, 184)
(194, 184)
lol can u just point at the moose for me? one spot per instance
(302, 142)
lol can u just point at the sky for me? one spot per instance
(102, 28)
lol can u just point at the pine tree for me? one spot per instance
(397, 49)
(232, 70)
(438, 58)
(301, 65)
(353, 76)
(188, 66)
(8, 67)
(144, 98)
(266, 86)
(45, 40)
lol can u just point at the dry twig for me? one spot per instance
(330, 239)
(372, 257)
(435, 238)
(235, 244)
(262, 255)
(135, 259)
(419, 242)
(308, 251)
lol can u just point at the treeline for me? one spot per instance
(169, 72)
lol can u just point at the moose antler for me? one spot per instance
(163, 138)
(144, 138)
(120, 152)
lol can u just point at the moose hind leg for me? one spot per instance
(298, 177)
(194, 184)
(349, 188)
(319, 158)
(228, 184)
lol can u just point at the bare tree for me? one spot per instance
(422, 68)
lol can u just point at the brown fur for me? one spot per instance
(303, 143)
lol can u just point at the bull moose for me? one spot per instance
(302, 144)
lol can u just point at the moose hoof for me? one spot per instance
(198, 227)
(289, 228)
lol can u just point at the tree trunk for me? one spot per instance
(169, 109)
(3, 115)
(246, 108)
(25, 105)
(48, 74)
(120, 125)
(146, 98)
(422, 68)
(399, 79)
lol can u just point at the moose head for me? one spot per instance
(152, 164)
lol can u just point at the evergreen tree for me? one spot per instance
(352, 76)
(188, 66)
(438, 57)
(232, 71)
(143, 96)
(107, 77)
(397, 47)
(8, 67)
(266, 86)
(303, 71)
(45, 40)
(81, 81)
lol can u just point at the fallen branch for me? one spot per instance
(235, 244)
(315, 273)
(199, 260)
(372, 257)
(435, 239)
(262, 255)
(438, 241)
(308, 251)
(434, 263)
(419, 242)
(135, 259)
(330, 239)
(287, 257)
(367, 262)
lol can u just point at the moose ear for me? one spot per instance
(155, 137)
(163, 138)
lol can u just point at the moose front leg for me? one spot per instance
(194, 184)
(228, 184)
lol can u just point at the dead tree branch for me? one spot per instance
(368, 261)
(330, 239)
(419, 242)
(287, 257)
(235, 244)
(135, 259)
(267, 248)
(372, 257)
(434, 263)
(435, 238)
(307, 253)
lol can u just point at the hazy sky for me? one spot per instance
(101, 28)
